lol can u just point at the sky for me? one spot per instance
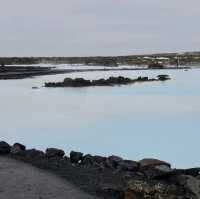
(98, 27)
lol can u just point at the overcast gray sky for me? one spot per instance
(98, 27)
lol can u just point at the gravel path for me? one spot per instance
(22, 181)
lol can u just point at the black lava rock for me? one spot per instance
(4, 148)
(76, 157)
(18, 148)
(52, 152)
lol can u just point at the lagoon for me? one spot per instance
(152, 119)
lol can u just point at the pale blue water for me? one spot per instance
(160, 120)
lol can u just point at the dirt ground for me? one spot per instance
(22, 181)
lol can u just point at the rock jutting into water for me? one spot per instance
(111, 81)
(112, 177)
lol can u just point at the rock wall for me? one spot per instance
(112, 177)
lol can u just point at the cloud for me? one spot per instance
(94, 27)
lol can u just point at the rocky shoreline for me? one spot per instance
(112, 177)
(22, 72)
(111, 81)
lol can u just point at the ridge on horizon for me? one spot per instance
(128, 55)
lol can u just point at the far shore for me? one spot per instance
(16, 72)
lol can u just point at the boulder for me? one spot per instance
(128, 165)
(139, 189)
(164, 168)
(152, 168)
(99, 159)
(163, 77)
(178, 172)
(93, 160)
(18, 148)
(52, 152)
(142, 78)
(152, 172)
(4, 148)
(76, 157)
(191, 185)
(153, 163)
(79, 82)
(68, 81)
(99, 82)
(113, 161)
(33, 153)
(87, 160)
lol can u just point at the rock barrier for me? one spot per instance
(112, 177)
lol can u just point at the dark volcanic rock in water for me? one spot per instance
(111, 81)
(35, 87)
(163, 77)
(78, 82)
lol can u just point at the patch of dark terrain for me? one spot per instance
(111, 81)
(19, 72)
(112, 177)
(4, 69)
(187, 58)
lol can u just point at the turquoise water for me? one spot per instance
(157, 119)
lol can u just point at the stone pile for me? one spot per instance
(113, 177)
(111, 81)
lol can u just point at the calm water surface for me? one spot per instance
(158, 119)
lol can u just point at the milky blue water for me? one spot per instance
(157, 119)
